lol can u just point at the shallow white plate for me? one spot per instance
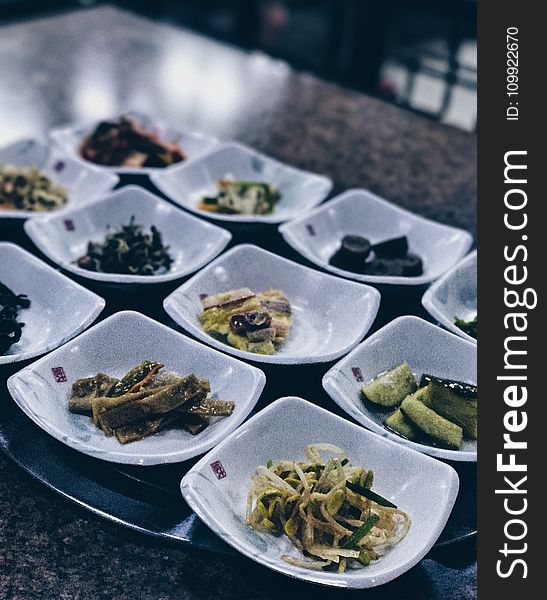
(186, 184)
(83, 182)
(455, 295)
(317, 235)
(195, 145)
(114, 346)
(59, 308)
(64, 238)
(216, 488)
(427, 349)
(330, 315)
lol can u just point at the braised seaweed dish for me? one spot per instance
(390, 257)
(241, 198)
(146, 401)
(128, 250)
(27, 188)
(327, 508)
(252, 321)
(10, 327)
(469, 327)
(439, 412)
(125, 143)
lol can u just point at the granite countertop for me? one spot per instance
(98, 62)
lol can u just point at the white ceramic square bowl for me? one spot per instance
(59, 308)
(455, 295)
(330, 315)
(83, 182)
(114, 346)
(317, 235)
(69, 138)
(64, 238)
(427, 349)
(186, 184)
(422, 487)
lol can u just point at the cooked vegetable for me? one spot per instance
(10, 327)
(241, 197)
(326, 509)
(390, 257)
(128, 144)
(254, 322)
(443, 431)
(128, 251)
(27, 188)
(444, 401)
(470, 327)
(144, 402)
(392, 387)
(460, 388)
(400, 425)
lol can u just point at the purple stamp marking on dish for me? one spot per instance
(59, 166)
(357, 374)
(59, 374)
(69, 224)
(203, 296)
(218, 469)
(310, 229)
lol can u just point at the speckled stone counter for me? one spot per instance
(99, 62)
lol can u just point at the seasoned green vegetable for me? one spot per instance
(399, 424)
(444, 401)
(136, 376)
(469, 327)
(367, 493)
(334, 522)
(443, 431)
(391, 388)
(27, 188)
(241, 197)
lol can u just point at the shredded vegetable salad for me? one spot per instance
(327, 509)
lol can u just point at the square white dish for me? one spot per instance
(186, 184)
(59, 308)
(82, 182)
(69, 138)
(455, 295)
(114, 346)
(317, 235)
(330, 315)
(216, 488)
(64, 238)
(427, 349)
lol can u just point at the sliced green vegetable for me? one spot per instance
(354, 539)
(369, 494)
(391, 388)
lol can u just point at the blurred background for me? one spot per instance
(418, 54)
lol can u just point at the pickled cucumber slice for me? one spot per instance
(441, 430)
(447, 403)
(391, 388)
(400, 425)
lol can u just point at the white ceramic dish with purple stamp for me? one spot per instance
(115, 346)
(187, 184)
(427, 349)
(64, 238)
(317, 235)
(216, 488)
(59, 308)
(82, 182)
(455, 295)
(194, 145)
(330, 315)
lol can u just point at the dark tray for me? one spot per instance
(147, 499)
